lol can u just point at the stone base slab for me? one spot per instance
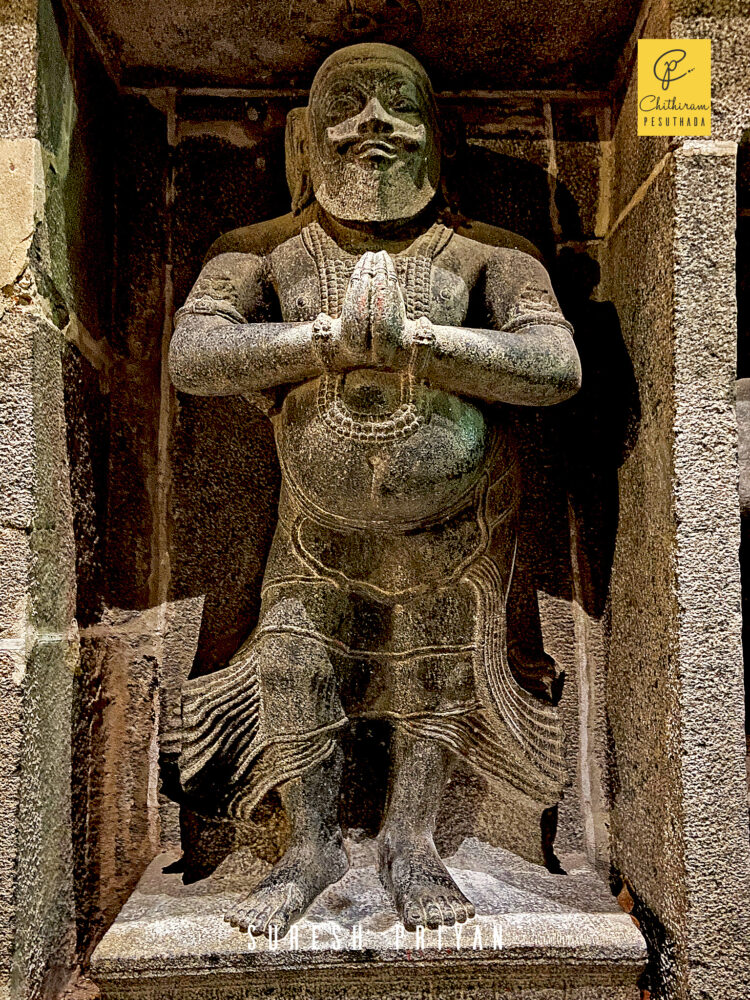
(536, 936)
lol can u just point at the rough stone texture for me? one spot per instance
(18, 70)
(633, 157)
(730, 74)
(679, 822)
(39, 653)
(87, 418)
(514, 45)
(743, 443)
(577, 193)
(712, 756)
(115, 780)
(21, 170)
(543, 937)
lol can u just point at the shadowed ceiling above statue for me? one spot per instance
(511, 45)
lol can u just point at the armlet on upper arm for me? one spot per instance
(235, 286)
(519, 293)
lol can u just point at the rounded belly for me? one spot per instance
(372, 450)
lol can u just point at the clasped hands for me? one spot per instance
(373, 330)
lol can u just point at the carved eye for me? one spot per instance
(405, 105)
(344, 106)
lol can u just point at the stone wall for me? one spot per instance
(38, 646)
(134, 523)
(674, 690)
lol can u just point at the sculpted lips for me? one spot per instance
(375, 149)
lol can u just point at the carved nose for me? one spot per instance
(374, 118)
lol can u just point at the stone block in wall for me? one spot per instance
(22, 179)
(12, 665)
(506, 182)
(44, 940)
(133, 407)
(218, 186)
(577, 192)
(18, 69)
(726, 24)
(115, 761)
(39, 650)
(87, 421)
(634, 157)
(712, 747)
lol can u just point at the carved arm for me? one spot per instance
(536, 366)
(216, 352)
(528, 356)
(214, 356)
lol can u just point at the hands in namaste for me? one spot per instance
(373, 330)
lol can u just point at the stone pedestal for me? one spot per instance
(536, 936)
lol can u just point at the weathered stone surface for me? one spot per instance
(634, 157)
(642, 694)
(384, 593)
(674, 650)
(12, 666)
(729, 31)
(87, 423)
(705, 464)
(511, 46)
(18, 69)
(22, 183)
(44, 944)
(543, 937)
(115, 810)
(743, 443)
(578, 194)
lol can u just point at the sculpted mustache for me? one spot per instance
(398, 139)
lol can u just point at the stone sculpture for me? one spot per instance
(386, 347)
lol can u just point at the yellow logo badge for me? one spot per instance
(674, 86)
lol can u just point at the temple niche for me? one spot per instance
(378, 493)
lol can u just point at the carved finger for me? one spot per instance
(387, 310)
(355, 312)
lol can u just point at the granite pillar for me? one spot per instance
(679, 831)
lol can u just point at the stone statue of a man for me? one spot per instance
(381, 343)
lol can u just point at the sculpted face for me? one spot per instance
(374, 149)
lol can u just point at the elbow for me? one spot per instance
(183, 365)
(564, 373)
(178, 365)
(570, 378)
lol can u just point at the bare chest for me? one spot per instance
(311, 275)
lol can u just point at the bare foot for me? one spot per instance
(419, 884)
(286, 892)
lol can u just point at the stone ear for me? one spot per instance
(297, 163)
